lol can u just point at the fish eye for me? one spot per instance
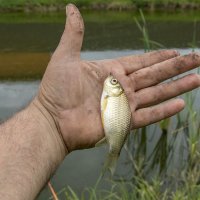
(113, 81)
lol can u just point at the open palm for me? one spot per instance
(71, 88)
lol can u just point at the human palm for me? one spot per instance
(71, 88)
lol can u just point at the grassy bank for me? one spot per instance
(55, 5)
(99, 16)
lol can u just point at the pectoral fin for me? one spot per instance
(101, 142)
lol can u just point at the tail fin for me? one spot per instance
(110, 163)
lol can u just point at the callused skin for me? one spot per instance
(65, 114)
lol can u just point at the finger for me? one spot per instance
(165, 70)
(135, 62)
(72, 38)
(125, 82)
(159, 93)
(150, 115)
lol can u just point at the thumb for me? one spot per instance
(72, 38)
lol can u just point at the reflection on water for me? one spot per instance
(31, 65)
(25, 50)
(103, 30)
(98, 36)
(15, 96)
(23, 65)
(82, 168)
(26, 45)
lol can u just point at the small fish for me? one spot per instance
(116, 119)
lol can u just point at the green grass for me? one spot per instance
(100, 17)
(182, 183)
(143, 190)
(25, 5)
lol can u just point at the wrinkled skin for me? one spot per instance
(71, 87)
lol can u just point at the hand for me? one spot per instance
(71, 88)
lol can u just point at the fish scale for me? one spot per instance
(116, 119)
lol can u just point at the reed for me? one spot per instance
(171, 169)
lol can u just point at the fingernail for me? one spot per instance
(70, 9)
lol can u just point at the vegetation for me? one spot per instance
(156, 177)
(50, 5)
(98, 17)
(171, 170)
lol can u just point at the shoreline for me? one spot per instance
(103, 6)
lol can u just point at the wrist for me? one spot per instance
(50, 130)
(31, 150)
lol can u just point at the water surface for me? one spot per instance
(27, 42)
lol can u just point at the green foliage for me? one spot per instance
(148, 44)
(71, 195)
(147, 4)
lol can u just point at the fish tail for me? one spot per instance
(110, 163)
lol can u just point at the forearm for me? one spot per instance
(30, 151)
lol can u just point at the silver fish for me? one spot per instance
(116, 119)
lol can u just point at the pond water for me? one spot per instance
(26, 43)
